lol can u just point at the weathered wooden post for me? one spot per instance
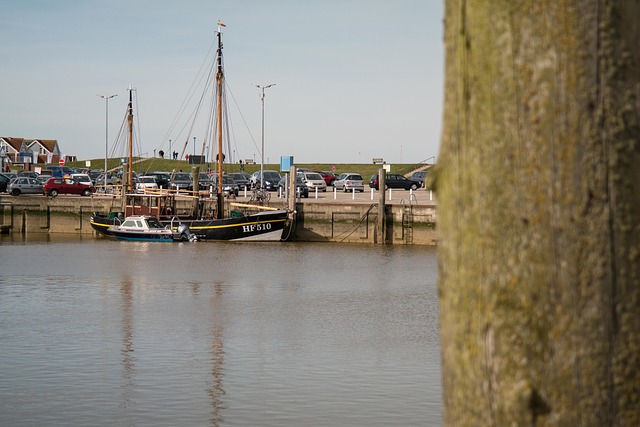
(380, 226)
(539, 213)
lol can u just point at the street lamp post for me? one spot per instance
(262, 87)
(106, 133)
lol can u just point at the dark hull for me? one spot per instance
(145, 236)
(262, 226)
(101, 224)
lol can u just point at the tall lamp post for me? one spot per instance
(106, 133)
(262, 87)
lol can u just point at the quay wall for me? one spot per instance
(316, 221)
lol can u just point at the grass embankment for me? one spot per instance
(157, 164)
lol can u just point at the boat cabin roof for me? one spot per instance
(141, 222)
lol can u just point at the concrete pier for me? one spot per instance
(410, 217)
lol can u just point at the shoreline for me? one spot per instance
(410, 217)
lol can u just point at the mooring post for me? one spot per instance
(292, 190)
(380, 231)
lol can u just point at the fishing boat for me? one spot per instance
(149, 229)
(243, 223)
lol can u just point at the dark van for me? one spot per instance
(59, 171)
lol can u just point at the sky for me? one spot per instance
(354, 79)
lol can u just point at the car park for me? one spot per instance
(56, 185)
(349, 181)
(301, 188)
(394, 180)
(241, 178)
(24, 185)
(313, 180)
(229, 186)
(145, 183)
(271, 179)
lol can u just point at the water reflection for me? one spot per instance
(128, 360)
(216, 390)
(218, 334)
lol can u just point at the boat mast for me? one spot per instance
(219, 86)
(130, 123)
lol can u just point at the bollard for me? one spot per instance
(390, 196)
(353, 193)
(335, 193)
(430, 195)
(316, 192)
(372, 194)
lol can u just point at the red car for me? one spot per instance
(329, 177)
(55, 186)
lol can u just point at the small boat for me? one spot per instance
(149, 229)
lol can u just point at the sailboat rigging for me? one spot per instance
(269, 224)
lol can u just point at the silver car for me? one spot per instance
(24, 185)
(348, 182)
(314, 181)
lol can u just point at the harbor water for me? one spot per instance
(107, 333)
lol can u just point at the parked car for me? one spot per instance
(111, 180)
(395, 180)
(134, 178)
(229, 186)
(56, 186)
(28, 174)
(4, 182)
(301, 188)
(24, 185)
(10, 175)
(59, 171)
(181, 181)
(42, 179)
(349, 181)
(82, 177)
(329, 177)
(313, 180)
(420, 176)
(94, 174)
(162, 178)
(146, 182)
(271, 179)
(242, 179)
(203, 181)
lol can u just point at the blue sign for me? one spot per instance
(285, 163)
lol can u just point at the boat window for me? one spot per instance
(154, 223)
(129, 223)
(140, 224)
